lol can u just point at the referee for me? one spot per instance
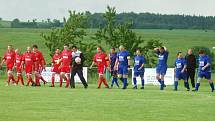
(77, 67)
(191, 66)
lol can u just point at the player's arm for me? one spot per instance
(116, 64)
(207, 65)
(93, 63)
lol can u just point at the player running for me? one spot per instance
(139, 61)
(19, 67)
(56, 62)
(204, 70)
(180, 71)
(29, 63)
(112, 59)
(161, 65)
(100, 59)
(39, 65)
(9, 58)
(66, 61)
(122, 65)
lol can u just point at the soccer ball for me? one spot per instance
(78, 60)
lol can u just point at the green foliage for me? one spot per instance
(115, 35)
(208, 52)
(72, 33)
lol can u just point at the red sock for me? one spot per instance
(22, 81)
(37, 80)
(100, 82)
(61, 81)
(44, 81)
(67, 83)
(14, 81)
(53, 79)
(17, 81)
(105, 82)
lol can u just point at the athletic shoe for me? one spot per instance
(135, 87)
(142, 88)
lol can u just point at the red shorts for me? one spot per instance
(28, 70)
(18, 69)
(56, 70)
(101, 70)
(10, 68)
(65, 69)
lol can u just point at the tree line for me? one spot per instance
(137, 21)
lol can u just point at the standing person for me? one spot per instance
(139, 61)
(9, 58)
(56, 62)
(180, 71)
(29, 64)
(100, 59)
(39, 65)
(123, 64)
(191, 66)
(19, 67)
(65, 66)
(204, 70)
(77, 67)
(161, 65)
(112, 59)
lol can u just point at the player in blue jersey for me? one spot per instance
(112, 59)
(204, 70)
(139, 61)
(122, 65)
(180, 71)
(161, 65)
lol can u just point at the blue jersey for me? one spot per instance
(162, 58)
(204, 60)
(113, 57)
(179, 64)
(123, 58)
(138, 61)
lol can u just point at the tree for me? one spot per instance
(71, 33)
(115, 35)
(15, 23)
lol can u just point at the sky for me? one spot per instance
(57, 9)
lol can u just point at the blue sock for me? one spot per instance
(121, 80)
(176, 85)
(187, 85)
(197, 86)
(135, 81)
(159, 81)
(124, 83)
(143, 82)
(162, 85)
(212, 85)
(113, 80)
(116, 81)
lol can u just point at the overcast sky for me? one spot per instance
(43, 9)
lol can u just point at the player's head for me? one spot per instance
(99, 49)
(138, 52)
(190, 51)
(35, 48)
(28, 49)
(74, 48)
(17, 51)
(9, 47)
(57, 50)
(121, 48)
(162, 49)
(66, 47)
(201, 52)
(112, 50)
(180, 55)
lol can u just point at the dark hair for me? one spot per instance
(113, 48)
(179, 53)
(162, 48)
(35, 46)
(57, 48)
(201, 52)
(66, 45)
(74, 47)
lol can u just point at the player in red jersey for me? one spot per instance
(100, 59)
(39, 65)
(19, 67)
(9, 58)
(55, 66)
(65, 66)
(29, 63)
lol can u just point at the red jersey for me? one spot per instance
(29, 60)
(9, 57)
(56, 62)
(66, 58)
(39, 60)
(18, 62)
(100, 59)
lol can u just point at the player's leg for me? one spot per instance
(81, 76)
(184, 77)
(142, 80)
(176, 84)
(37, 78)
(29, 78)
(72, 80)
(136, 74)
(115, 79)
(67, 79)
(200, 76)
(208, 77)
(192, 78)
(53, 79)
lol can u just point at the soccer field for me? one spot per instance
(61, 104)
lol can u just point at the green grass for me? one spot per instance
(60, 104)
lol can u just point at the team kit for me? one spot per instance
(69, 62)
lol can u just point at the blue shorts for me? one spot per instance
(180, 76)
(139, 73)
(123, 70)
(207, 75)
(161, 70)
(113, 73)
